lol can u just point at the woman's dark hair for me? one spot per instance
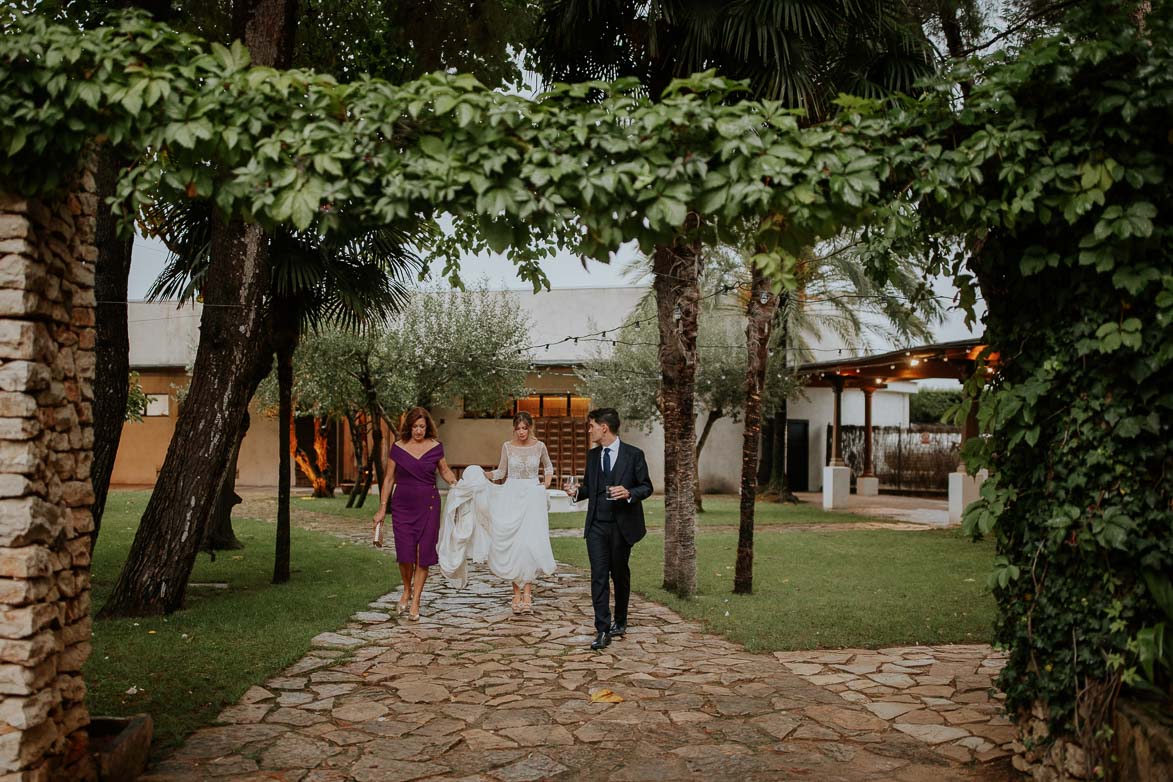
(413, 415)
(523, 416)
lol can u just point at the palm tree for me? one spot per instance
(350, 283)
(799, 53)
(833, 293)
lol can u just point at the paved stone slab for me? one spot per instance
(476, 693)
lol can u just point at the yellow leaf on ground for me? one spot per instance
(605, 696)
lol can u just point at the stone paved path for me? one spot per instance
(474, 693)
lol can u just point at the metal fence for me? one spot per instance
(914, 459)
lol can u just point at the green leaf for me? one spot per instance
(498, 234)
(16, 143)
(433, 147)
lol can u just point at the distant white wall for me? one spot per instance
(471, 440)
(161, 335)
(720, 463)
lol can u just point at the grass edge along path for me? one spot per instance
(828, 589)
(185, 668)
(720, 511)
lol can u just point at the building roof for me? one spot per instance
(953, 360)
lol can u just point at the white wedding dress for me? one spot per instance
(464, 527)
(519, 527)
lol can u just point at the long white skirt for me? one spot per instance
(519, 532)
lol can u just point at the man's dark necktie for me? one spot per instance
(606, 461)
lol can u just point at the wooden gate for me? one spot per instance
(567, 441)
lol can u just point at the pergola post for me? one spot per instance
(836, 475)
(836, 424)
(867, 484)
(963, 487)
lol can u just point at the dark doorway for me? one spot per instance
(798, 455)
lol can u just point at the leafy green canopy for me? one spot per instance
(518, 175)
(1057, 169)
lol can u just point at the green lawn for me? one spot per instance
(831, 589)
(188, 666)
(725, 511)
(720, 511)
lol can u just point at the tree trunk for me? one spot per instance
(375, 414)
(220, 535)
(368, 475)
(777, 478)
(112, 345)
(766, 460)
(322, 459)
(757, 342)
(677, 269)
(286, 344)
(311, 468)
(358, 441)
(713, 417)
(154, 577)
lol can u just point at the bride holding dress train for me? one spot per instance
(519, 534)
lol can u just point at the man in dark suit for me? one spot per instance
(615, 486)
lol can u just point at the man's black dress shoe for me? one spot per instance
(617, 631)
(602, 641)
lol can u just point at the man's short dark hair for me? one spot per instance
(606, 415)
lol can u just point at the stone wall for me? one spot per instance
(1047, 760)
(1144, 740)
(47, 259)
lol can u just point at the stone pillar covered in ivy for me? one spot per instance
(46, 439)
(1068, 201)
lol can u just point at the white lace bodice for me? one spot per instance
(522, 462)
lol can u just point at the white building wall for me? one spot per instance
(720, 463)
(162, 335)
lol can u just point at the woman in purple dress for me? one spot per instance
(413, 463)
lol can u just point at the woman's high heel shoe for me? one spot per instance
(517, 604)
(402, 607)
(527, 604)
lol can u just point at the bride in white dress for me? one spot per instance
(519, 549)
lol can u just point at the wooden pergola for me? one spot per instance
(951, 360)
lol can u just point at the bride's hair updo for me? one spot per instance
(523, 418)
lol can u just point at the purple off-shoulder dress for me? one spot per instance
(415, 506)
